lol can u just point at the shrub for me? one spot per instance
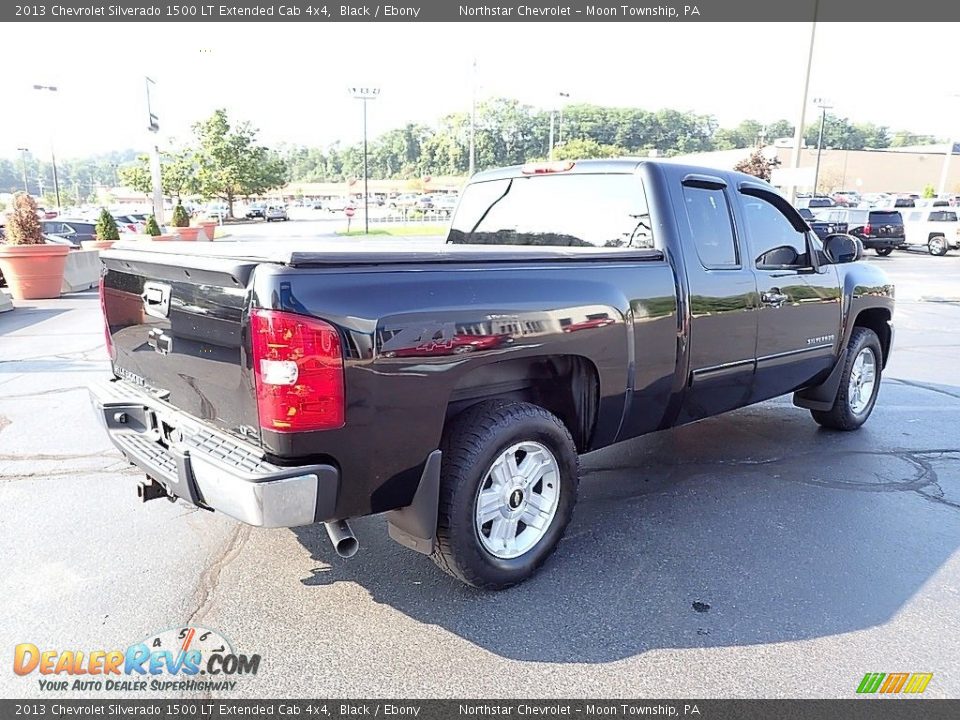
(107, 226)
(23, 225)
(181, 218)
(755, 164)
(152, 228)
(929, 192)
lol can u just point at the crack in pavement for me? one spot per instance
(207, 585)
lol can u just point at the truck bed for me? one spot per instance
(353, 252)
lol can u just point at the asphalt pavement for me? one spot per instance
(749, 555)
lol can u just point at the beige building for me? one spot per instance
(899, 170)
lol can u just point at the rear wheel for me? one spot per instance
(859, 383)
(937, 245)
(508, 485)
(883, 252)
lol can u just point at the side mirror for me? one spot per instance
(842, 248)
(779, 257)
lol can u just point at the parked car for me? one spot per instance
(288, 384)
(404, 201)
(424, 203)
(814, 202)
(878, 229)
(130, 223)
(256, 210)
(846, 198)
(276, 212)
(936, 228)
(823, 228)
(220, 211)
(74, 231)
(445, 204)
(338, 204)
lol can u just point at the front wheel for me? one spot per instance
(859, 383)
(937, 245)
(883, 252)
(508, 484)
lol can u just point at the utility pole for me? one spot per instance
(564, 96)
(156, 172)
(945, 170)
(23, 165)
(550, 142)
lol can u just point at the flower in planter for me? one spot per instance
(23, 224)
(181, 218)
(107, 226)
(152, 228)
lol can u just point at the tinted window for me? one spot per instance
(903, 202)
(943, 216)
(820, 202)
(806, 214)
(603, 211)
(768, 228)
(711, 227)
(885, 218)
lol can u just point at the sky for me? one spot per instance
(290, 80)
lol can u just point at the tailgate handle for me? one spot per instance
(156, 299)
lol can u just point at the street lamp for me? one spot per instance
(53, 155)
(473, 119)
(798, 130)
(945, 171)
(23, 164)
(824, 105)
(564, 97)
(156, 175)
(364, 94)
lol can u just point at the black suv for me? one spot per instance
(823, 228)
(75, 231)
(880, 230)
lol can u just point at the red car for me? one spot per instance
(457, 345)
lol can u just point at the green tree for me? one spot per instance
(177, 173)
(152, 228)
(230, 163)
(579, 149)
(181, 218)
(929, 192)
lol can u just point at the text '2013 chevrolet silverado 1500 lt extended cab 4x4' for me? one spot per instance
(453, 385)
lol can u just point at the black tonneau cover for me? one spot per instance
(351, 251)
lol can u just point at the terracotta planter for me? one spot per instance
(187, 233)
(209, 227)
(161, 238)
(96, 244)
(33, 272)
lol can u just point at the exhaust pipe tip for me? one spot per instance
(344, 542)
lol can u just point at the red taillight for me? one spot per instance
(106, 323)
(867, 229)
(298, 368)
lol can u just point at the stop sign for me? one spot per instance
(349, 211)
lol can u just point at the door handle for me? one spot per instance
(773, 297)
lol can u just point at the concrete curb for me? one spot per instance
(82, 271)
(6, 303)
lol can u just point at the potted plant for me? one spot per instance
(152, 229)
(181, 221)
(208, 225)
(32, 268)
(107, 232)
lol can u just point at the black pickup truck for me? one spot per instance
(452, 385)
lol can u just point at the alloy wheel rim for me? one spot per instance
(863, 379)
(517, 500)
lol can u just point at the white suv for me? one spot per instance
(936, 227)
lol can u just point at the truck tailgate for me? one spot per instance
(176, 325)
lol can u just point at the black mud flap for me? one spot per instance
(415, 526)
(821, 397)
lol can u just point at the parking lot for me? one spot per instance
(749, 555)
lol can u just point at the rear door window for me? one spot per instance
(943, 216)
(711, 227)
(885, 218)
(567, 210)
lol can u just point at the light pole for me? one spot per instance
(945, 171)
(564, 96)
(364, 94)
(23, 164)
(53, 155)
(156, 173)
(824, 105)
(798, 131)
(473, 120)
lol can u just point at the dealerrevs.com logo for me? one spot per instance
(186, 659)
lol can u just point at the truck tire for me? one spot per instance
(508, 484)
(937, 245)
(883, 252)
(859, 383)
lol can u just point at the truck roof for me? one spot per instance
(614, 165)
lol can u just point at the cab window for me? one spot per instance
(774, 242)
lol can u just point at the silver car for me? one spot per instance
(276, 212)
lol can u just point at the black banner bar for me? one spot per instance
(472, 11)
(893, 708)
